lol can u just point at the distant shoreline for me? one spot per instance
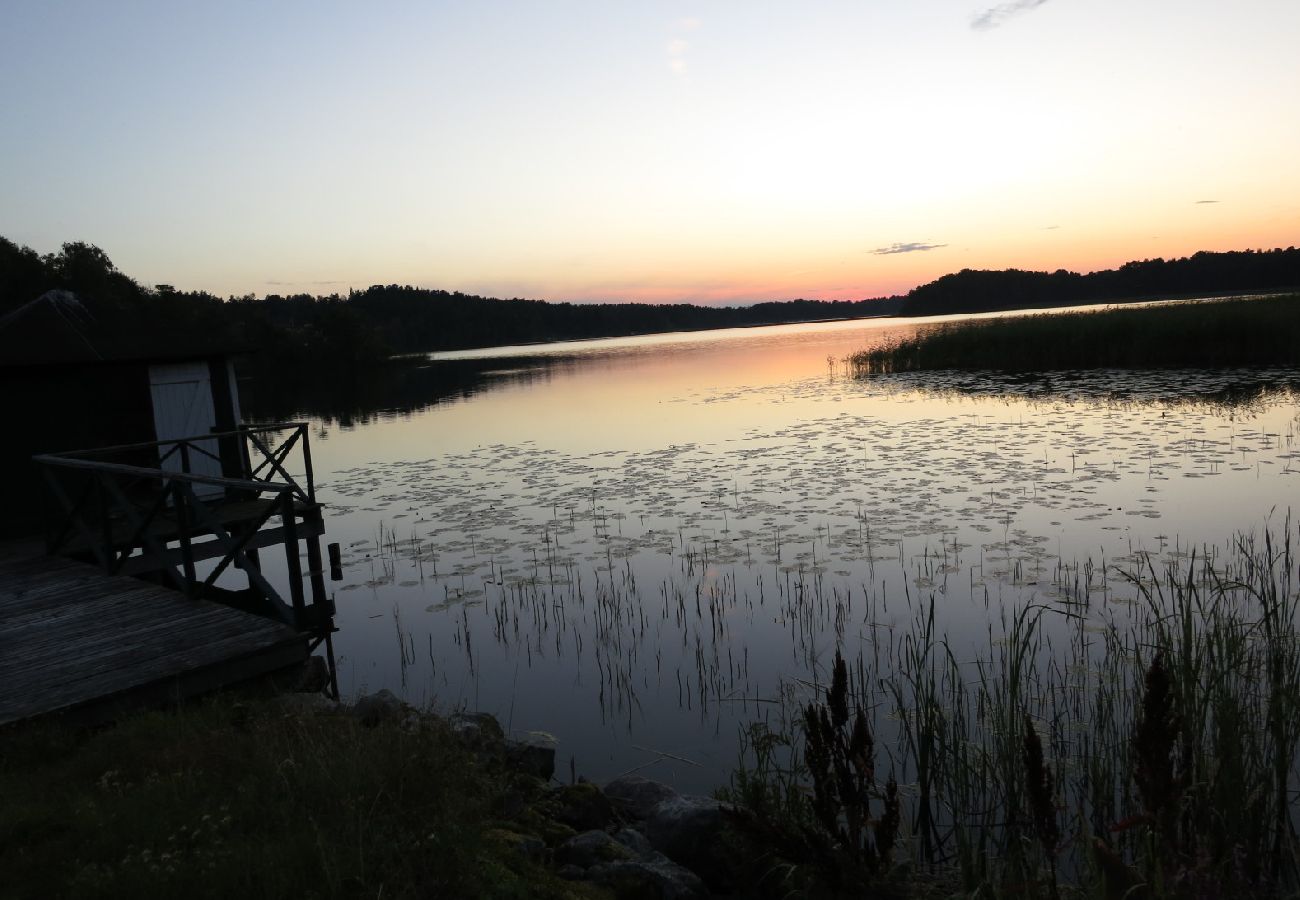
(466, 352)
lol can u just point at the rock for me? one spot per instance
(532, 752)
(373, 709)
(679, 824)
(523, 792)
(592, 848)
(476, 729)
(698, 833)
(656, 879)
(636, 797)
(581, 806)
(570, 872)
(534, 822)
(635, 841)
(312, 677)
(526, 845)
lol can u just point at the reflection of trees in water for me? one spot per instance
(409, 386)
(1230, 390)
(399, 389)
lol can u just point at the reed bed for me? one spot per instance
(1205, 333)
(1152, 757)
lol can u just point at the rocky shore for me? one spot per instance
(632, 836)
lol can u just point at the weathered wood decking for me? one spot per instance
(74, 638)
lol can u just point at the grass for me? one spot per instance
(1153, 757)
(251, 799)
(1207, 333)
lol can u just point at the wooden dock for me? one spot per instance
(74, 639)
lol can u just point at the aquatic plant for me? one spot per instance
(841, 761)
(1205, 333)
(1154, 758)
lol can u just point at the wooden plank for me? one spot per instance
(123, 618)
(228, 669)
(205, 550)
(162, 638)
(71, 636)
(51, 647)
(121, 448)
(123, 667)
(79, 685)
(173, 690)
(140, 472)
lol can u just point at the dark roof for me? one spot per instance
(58, 329)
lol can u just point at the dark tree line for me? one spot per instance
(364, 327)
(415, 319)
(367, 325)
(1201, 274)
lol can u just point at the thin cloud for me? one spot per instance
(913, 247)
(997, 15)
(676, 52)
(1201, 202)
(676, 49)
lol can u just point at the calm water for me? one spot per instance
(639, 545)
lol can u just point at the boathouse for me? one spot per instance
(154, 545)
(73, 380)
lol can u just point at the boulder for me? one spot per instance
(476, 728)
(653, 879)
(374, 709)
(703, 835)
(679, 825)
(591, 848)
(312, 677)
(534, 821)
(636, 797)
(581, 806)
(532, 752)
(635, 841)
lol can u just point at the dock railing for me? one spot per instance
(158, 509)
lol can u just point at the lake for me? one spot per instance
(639, 545)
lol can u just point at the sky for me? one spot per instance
(716, 152)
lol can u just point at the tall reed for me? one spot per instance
(1205, 333)
(1154, 756)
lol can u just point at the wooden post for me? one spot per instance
(306, 460)
(315, 569)
(244, 458)
(292, 564)
(336, 562)
(181, 504)
(329, 657)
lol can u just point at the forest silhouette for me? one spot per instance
(367, 326)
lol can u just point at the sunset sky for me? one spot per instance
(709, 152)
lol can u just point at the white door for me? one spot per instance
(182, 407)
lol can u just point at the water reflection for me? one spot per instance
(647, 549)
(742, 356)
(406, 387)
